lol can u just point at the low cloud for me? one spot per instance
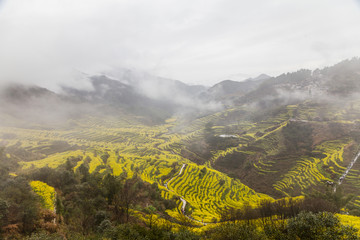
(194, 41)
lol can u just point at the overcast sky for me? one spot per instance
(195, 41)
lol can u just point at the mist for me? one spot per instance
(164, 57)
(151, 99)
(44, 42)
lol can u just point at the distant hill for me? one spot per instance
(151, 100)
(229, 88)
(154, 99)
(154, 86)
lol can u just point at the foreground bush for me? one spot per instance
(319, 226)
(305, 226)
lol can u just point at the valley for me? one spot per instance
(153, 152)
(276, 142)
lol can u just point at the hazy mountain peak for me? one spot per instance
(261, 77)
(23, 93)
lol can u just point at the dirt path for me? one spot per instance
(167, 183)
(183, 201)
(341, 179)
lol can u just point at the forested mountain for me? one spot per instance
(228, 88)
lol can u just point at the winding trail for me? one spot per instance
(183, 205)
(341, 179)
(181, 198)
(182, 168)
(167, 183)
(183, 201)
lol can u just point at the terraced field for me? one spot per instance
(121, 148)
(257, 132)
(155, 153)
(209, 191)
(309, 171)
